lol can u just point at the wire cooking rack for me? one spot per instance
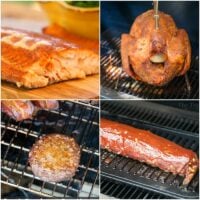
(78, 119)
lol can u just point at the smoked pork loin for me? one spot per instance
(147, 147)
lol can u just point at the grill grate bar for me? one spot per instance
(67, 188)
(89, 125)
(86, 103)
(96, 178)
(66, 115)
(114, 191)
(74, 117)
(171, 122)
(146, 196)
(4, 131)
(42, 186)
(120, 192)
(132, 195)
(54, 189)
(127, 194)
(109, 189)
(23, 131)
(9, 145)
(85, 173)
(22, 174)
(139, 195)
(16, 161)
(26, 189)
(104, 186)
(130, 192)
(33, 176)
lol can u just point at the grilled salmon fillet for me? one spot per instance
(54, 157)
(34, 60)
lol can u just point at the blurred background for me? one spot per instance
(73, 16)
(23, 14)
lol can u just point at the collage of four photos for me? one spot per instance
(99, 99)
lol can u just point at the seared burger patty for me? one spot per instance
(54, 157)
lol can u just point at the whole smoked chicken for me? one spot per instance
(155, 56)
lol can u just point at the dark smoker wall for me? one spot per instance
(183, 105)
(120, 15)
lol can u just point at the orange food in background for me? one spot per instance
(57, 31)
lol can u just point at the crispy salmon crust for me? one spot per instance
(34, 60)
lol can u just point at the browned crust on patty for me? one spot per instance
(54, 157)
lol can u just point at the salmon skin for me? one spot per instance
(147, 147)
(34, 60)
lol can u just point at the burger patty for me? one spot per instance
(54, 157)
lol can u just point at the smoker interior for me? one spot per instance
(78, 119)
(116, 84)
(124, 191)
(178, 125)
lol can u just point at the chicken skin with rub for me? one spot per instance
(155, 55)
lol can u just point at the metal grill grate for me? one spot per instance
(135, 173)
(156, 114)
(112, 188)
(129, 88)
(78, 119)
